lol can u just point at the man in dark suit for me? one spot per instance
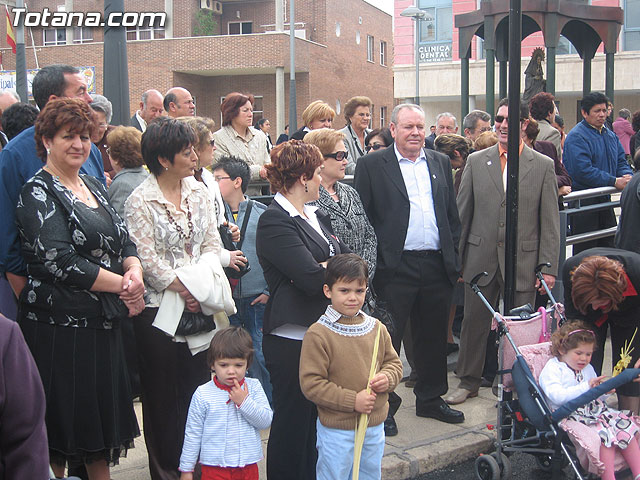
(408, 195)
(150, 107)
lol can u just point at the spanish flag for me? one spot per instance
(11, 35)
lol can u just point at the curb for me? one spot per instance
(435, 455)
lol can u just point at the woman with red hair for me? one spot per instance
(601, 287)
(238, 138)
(293, 242)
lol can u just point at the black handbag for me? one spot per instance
(378, 309)
(193, 323)
(112, 307)
(225, 236)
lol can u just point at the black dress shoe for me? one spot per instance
(440, 411)
(390, 427)
(452, 348)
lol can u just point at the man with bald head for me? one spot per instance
(150, 107)
(8, 98)
(178, 102)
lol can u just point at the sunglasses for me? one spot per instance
(374, 147)
(339, 156)
(500, 119)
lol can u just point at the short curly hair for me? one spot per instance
(231, 105)
(597, 277)
(352, 105)
(70, 113)
(290, 161)
(541, 105)
(570, 336)
(124, 146)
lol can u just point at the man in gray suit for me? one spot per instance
(482, 206)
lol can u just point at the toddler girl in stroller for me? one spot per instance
(568, 375)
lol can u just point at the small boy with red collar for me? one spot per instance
(226, 414)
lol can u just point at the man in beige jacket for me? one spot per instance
(482, 207)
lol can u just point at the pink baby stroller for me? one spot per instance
(525, 422)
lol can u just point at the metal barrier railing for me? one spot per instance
(573, 206)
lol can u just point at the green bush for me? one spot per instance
(205, 23)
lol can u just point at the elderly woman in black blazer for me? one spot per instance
(294, 240)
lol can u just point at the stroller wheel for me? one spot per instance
(544, 462)
(505, 471)
(487, 468)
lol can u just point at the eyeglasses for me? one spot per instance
(103, 125)
(375, 146)
(217, 179)
(339, 156)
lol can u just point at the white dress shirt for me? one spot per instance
(422, 233)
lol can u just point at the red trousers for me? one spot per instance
(248, 472)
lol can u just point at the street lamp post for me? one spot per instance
(417, 15)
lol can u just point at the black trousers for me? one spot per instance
(169, 375)
(291, 451)
(420, 292)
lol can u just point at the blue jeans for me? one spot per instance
(250, 318)
(335, 453)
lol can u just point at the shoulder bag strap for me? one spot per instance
(245, 221)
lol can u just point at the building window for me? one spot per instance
(383, 117)
(82, 35)
(369, 48)
(632, 25)
(145, 32)
(240, 28)
(383, 53)
(54, 36)
(438, 28)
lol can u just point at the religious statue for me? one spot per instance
(533, 76)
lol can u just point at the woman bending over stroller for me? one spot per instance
(569, 374)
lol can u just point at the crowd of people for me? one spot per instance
(141, 265)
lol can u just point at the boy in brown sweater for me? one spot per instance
(335, 361)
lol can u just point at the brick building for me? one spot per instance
(440, 64)
(343, 48)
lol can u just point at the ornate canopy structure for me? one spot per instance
(585, 26)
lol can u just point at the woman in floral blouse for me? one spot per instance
(171, 218)
(84, 279)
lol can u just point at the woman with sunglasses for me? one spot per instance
(340, 201)
(377, 139)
